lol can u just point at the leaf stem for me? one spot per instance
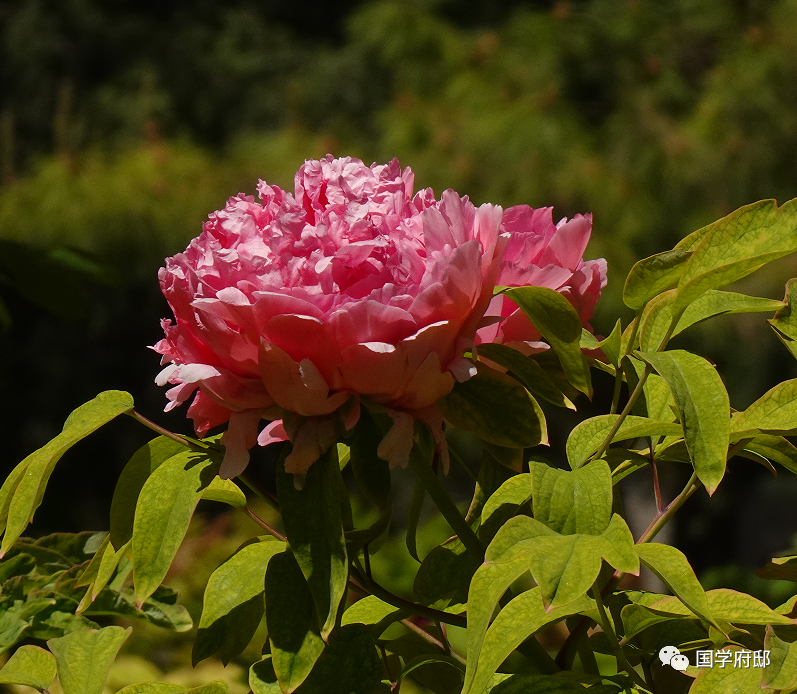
(664, 516)
(257, 489)
(272, 531)
(158, 429)
(447, 507)
(606, 625)
(392, 599)
(618, 384)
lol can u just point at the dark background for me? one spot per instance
(123, 124)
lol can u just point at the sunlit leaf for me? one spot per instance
(496, 408)
(164, 510)
(84, 658)
(30, 666)
(703, 408)
(559, 324)
(233, 604)
(27, 495)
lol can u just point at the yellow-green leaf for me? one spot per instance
(30, 666)
(84, 658)
(736, 246)
(703, 408)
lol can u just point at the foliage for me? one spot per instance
(543, 544)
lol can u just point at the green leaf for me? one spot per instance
(528, 372)
(214, 687)
(314, 528)
(538, 684)
(10, 485)
(587, 436)
(728, 606)
(503, 504)
(496, 408)
(775, 412)
(430, 659)
(102, 571)
(611, 346)
(444, 575)
(560, 326)
(143, 463)
(370, 537)
(712, 303)
(371, 472)
(656, 402)
(350, 663)
(703, 408)
(159, 609)
(233, 604)
(572, 501)
(566, 566)
(263, 679)
(653, 275)
(776, 449)
(672, 567)
(372, 612)
(736, 246)
(780, 569)
(40, 464)
(292, 622)
(164, 510)
(735, 680)
(84, 658)
(413, 517)
(784, 323)
(224, 491)
(781, 673)
(30, 666)
(521, 618)
(153, 688)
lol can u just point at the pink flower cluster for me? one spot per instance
(293, 308)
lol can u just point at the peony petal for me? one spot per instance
(240, 436)
(272, 433)
(395, 447)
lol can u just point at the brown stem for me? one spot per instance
(263, 524)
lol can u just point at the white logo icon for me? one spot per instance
(670, 655)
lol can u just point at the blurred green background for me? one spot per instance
(123, 124)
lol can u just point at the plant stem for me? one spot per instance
(447, 507)
(257, 489)
(606, 625)
(626, 410)
(618, 384)
(392, 599)
(263, 524)
(664, 516)
(164, 432)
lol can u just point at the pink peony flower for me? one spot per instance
(301, 304)
(540, 254)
